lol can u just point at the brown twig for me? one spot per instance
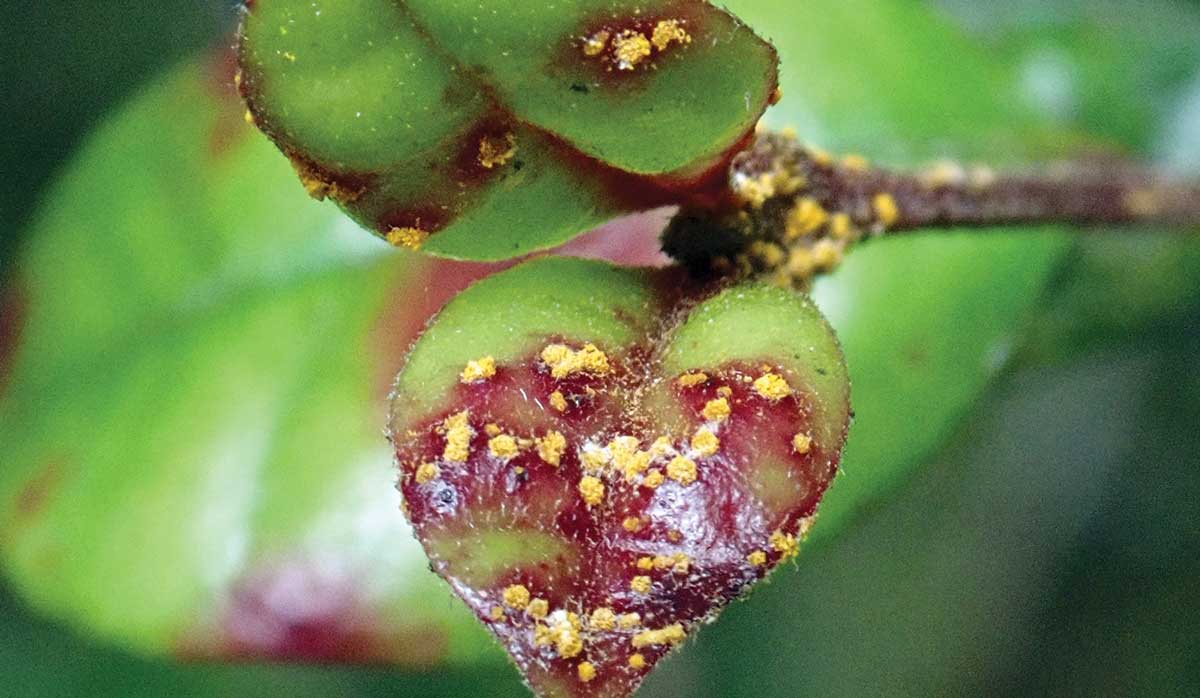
(797, 210)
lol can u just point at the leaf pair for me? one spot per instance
(490, 130)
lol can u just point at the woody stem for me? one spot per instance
(798, 210)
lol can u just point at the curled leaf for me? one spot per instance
(486, 131)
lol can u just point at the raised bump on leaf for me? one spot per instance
(691, 454)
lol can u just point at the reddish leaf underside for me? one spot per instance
(592, 511)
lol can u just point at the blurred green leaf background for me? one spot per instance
(1041, 537)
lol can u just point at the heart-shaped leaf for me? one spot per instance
(597, 466)
(503, 127)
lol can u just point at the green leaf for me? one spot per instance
(494, 126)
(193, 453)
(927, 324)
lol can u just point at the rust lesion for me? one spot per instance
(321, 183)
(625, 44)
(497, 151)
(793, 211)
(407, 237)
(632, 44)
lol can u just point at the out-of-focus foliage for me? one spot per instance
(68, 63)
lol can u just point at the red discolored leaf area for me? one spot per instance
(12, 315)
(592, 513)
(310, 611)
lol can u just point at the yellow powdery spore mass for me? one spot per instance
(497, 151)
(667, 32)
(629, 621)
(802, 443)
(689, 380)
(670, 635)
(551, 447)
(408, 238)
(771, 254)
(427, 473)
(538, 609)
(564, 633)
(758, 558)
(661, 447)
(632, 524)
(755, 191)
(820, 156)
(1141, 202)
(841, 227)
(637, 661)
(568, 643)
(596, 43)
(458, 438)
(801, 263)
(630, 48)
(479, 370)
(564, 362)
(603, 619)
(772, 386)
(705, 443)
(623, 450)
(886, 209)
(627, 458)
(592, 490)
(654, 479)
(827, 254)
(558, 401)
(856, 163)
(717, 410)
(682, 470)
(805, 218)
(785, 544)
(517, 596)
(642, 584)
(587, 671)
(679, 563)
(504, 446)
(594, 460)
